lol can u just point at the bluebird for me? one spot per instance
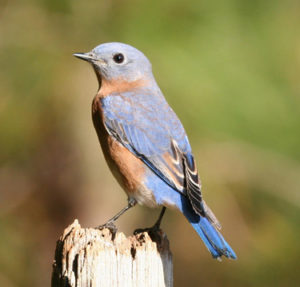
(145, 144)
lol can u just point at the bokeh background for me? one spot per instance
(230, 69)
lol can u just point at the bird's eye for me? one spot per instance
(118, 58)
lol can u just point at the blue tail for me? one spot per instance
(213, 239)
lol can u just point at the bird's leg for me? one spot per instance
(155, 228)
(161, 215)
(110, 223)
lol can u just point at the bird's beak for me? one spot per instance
(89, 57)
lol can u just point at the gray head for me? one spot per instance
(118, 61)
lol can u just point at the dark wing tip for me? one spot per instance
(196, 202)
(193, 186)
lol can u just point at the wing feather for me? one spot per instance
(154, 134)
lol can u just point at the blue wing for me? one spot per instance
(146, 125)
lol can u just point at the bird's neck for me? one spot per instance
(108, 87)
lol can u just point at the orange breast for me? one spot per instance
(126, 167)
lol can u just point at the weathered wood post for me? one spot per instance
(87, 257)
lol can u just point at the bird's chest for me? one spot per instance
(129, 170)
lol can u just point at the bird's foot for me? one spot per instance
(154, 232)
(109, 225)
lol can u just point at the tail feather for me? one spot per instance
(217, 243)
(212, 239)
(211, 217)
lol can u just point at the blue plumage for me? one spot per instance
(212, 239)
(145, 143)
(148, 133)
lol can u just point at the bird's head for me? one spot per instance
(118, 61)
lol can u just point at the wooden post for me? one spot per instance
(87, 257)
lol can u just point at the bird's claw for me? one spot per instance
(152, 231)
(141, 230)
(109, 225)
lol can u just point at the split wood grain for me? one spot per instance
(86, 257)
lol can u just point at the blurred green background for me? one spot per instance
(230, 69)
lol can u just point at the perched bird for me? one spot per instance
(144, 142)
